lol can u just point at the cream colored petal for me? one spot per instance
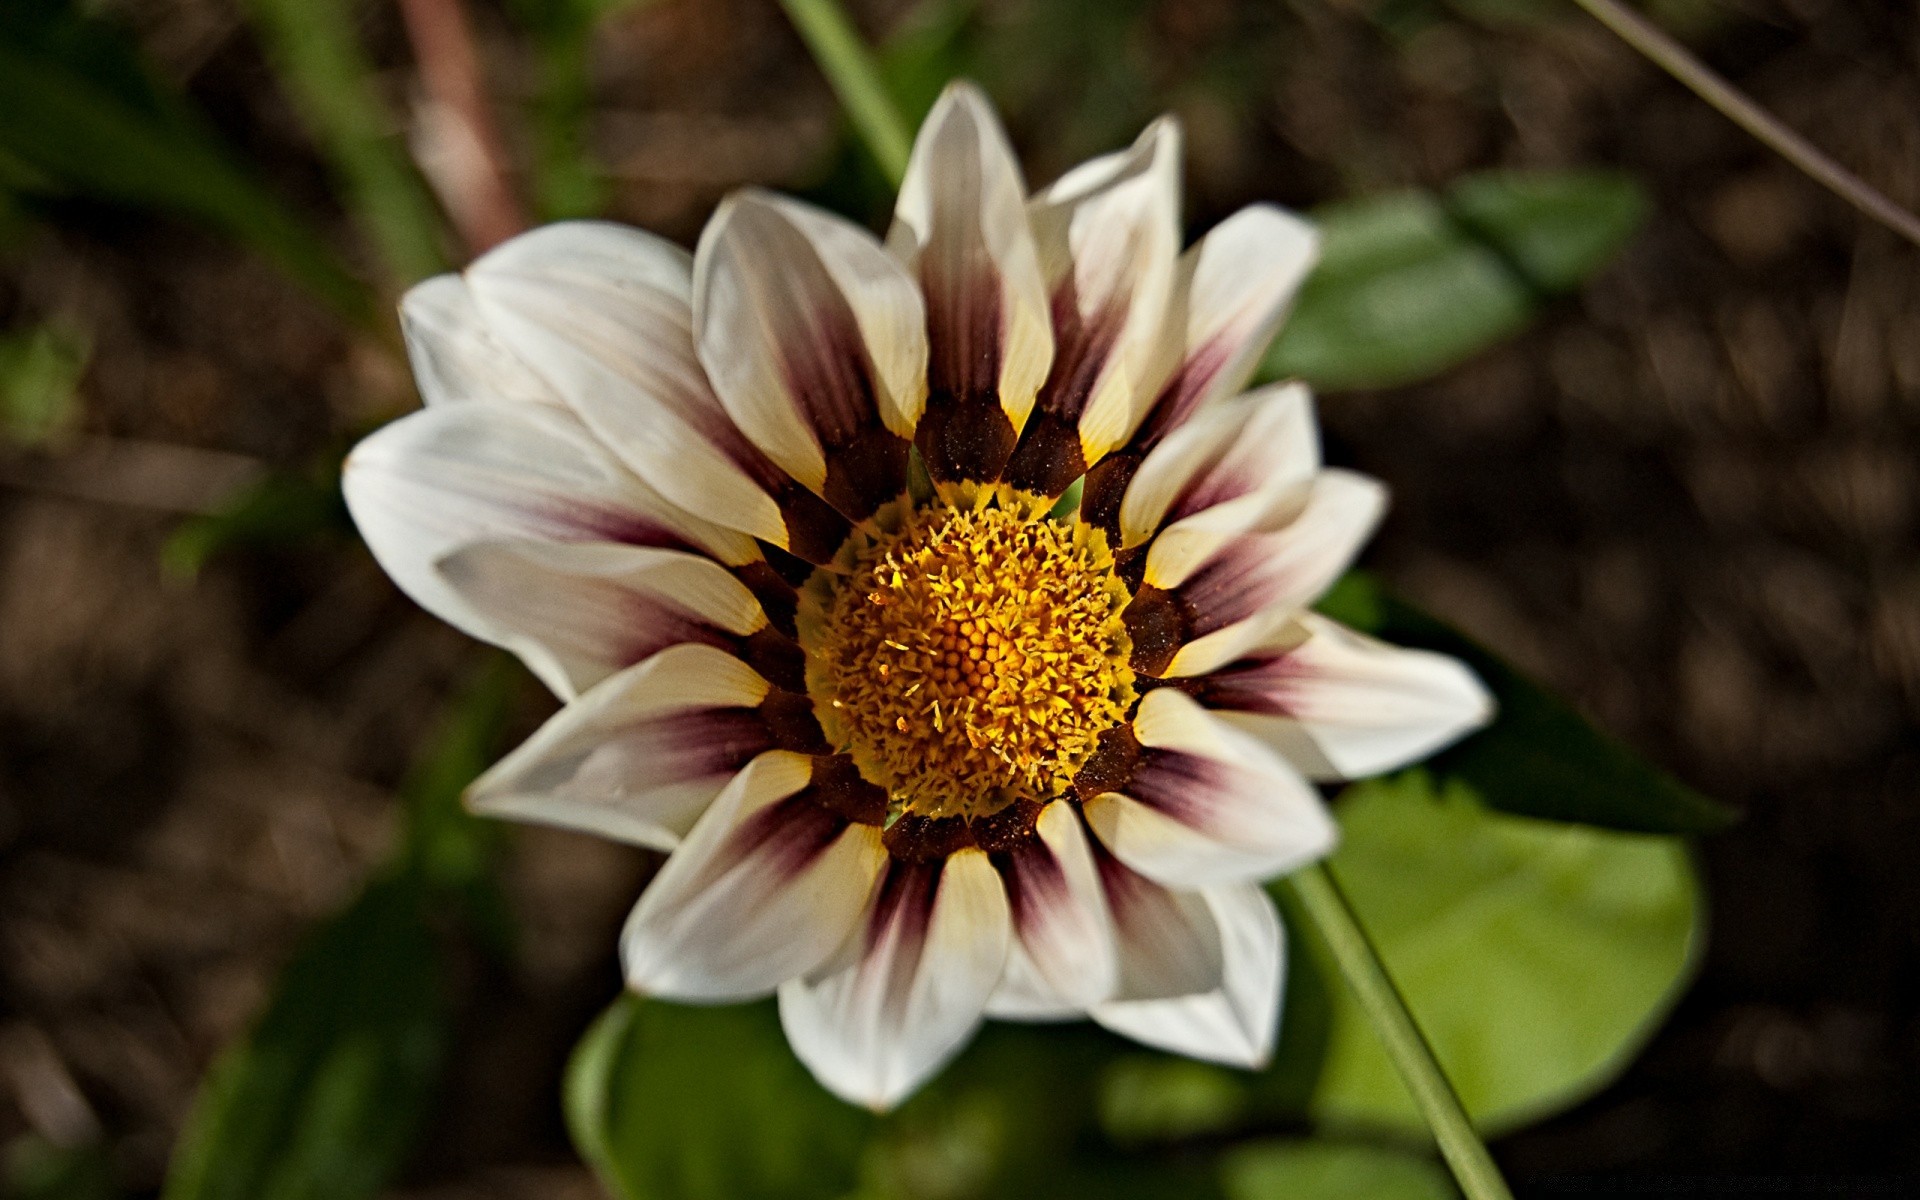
(1108, 236)
(1208, 804)
(577, 612)
(451, 475)
(764, 888)
(1253, 584)
(603, 313)
(455, 356)
(913, 987)
(640, 756)
(1231, 291)
(961, 229)
(1252, 452)
(812, 335)
(1237, 1022)
(1063, 955)
(1169, 943)
(1341, 705)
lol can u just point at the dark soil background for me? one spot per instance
(1688, 499)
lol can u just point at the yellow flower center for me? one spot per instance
(970, 654)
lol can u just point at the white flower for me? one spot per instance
(920, 751)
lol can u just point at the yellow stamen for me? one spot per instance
(970, 655)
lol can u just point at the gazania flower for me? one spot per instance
(789, 526)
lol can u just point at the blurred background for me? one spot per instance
(1683, 494)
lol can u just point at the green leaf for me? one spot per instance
(79, 113)
(1537, 957)
(1555, 228)
(313, 48)
(568, 181)
(323, 1099)
(1330, 1171)
(1412, 284)
(676, 1103)
(1148, 1098)
(1539, 757)
(40, 370)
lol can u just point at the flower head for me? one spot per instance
(782, 524)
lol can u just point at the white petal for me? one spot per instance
(1168, 940)
(577, 612)
(639, 757)
(873, 1029)
(1341, 705)
(1230, 293)
(1063, 956)
(809, 330)
(1207, 803)
(763, 890)
(1254, 583)
(961, 228)
(1109, 235)
(1229, 469)
(454, 474)
(455, 356)
(603, 313)
(1235, 1023)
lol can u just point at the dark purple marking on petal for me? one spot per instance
(784, 839)
(839, 787)
(1128, 891)
(657, 624)
(574, 520)
(777, 597)
(1111, 765)
(1158, 624)
(914, 838)
(867, 470)
(1241, 578)
(1261, 684)
(791, 724)
(1180, 398)
(1011, 826)
(1050, 456)
(1036, 883)
(1107, 482)
(1197, 792)
(695, 744)
(902, 914)
(831, 378)
(777, 657)
(964, 434)
(815, 529)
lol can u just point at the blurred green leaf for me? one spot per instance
(1412, 284)
(1539, 757)
(1148, 1098)
(284, 508)
(1330, 1171)
(1536, 956)
(676, 1103)
(1555, 228)
(313, 47)
(36, 1169)
(40, 370)
(324, 1098)
(80, 113)
(567, 180)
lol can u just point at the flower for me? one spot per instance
(782, 525)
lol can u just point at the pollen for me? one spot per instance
(970, 653)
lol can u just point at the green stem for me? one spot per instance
(849, 67)
(1326, 906)
(1675, 59)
